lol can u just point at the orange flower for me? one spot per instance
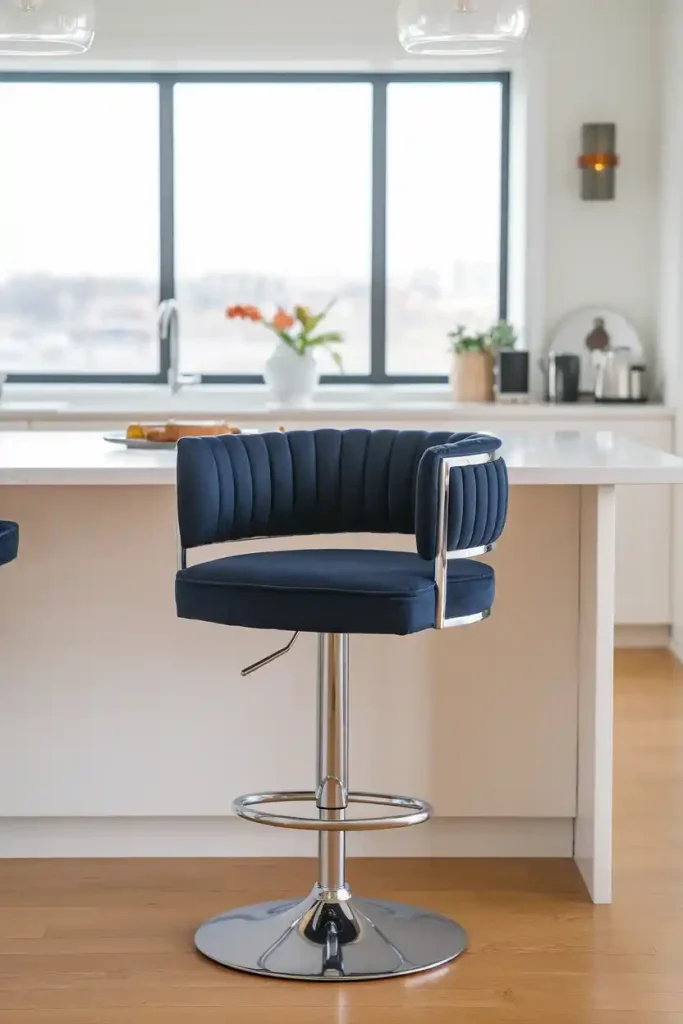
(244, 313)
(282, 321)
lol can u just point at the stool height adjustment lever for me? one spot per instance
(270, 658)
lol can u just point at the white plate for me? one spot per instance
(140, 443)
(570, 339)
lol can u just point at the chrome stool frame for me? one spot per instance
(332, 935)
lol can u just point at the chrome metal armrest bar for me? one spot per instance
(443, 555)
(454, 556)
(467, 620)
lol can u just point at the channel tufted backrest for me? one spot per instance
(325, 481)
(478, 505)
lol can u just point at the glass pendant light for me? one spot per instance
(46, 28)
(462, 27)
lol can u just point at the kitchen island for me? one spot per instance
(127, 732)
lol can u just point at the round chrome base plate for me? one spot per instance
(331, 940)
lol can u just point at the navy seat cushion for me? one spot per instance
(9, 542)
(330, 591)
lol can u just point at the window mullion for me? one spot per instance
(505, 199)
(378, 300)
(167, 211)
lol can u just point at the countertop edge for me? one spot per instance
(113, 477)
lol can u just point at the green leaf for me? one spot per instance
(304, 318)
(503, 335)
(315, 321)
(282, 335)
(464, 341)
(338, 361)
(330, 338)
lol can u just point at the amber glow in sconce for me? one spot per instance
(598, 162)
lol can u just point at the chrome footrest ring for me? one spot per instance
(249, 807)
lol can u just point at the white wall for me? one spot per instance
(602, 65)
(671, 262)
(671, 200)
(588, 60)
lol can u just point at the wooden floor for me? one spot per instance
(91, 942)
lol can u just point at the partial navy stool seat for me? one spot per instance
(450, 492)
(9, 542)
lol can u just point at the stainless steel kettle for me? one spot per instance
(612, 375)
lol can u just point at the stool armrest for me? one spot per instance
(461, 506)
(443, 554)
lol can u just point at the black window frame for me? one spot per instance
(166, 82)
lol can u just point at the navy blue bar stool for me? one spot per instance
(450, 491)
(9, 542)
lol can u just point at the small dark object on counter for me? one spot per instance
(638, 386)
(598, 339)
(563, 374)
(511, 380)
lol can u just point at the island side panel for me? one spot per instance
(593, 826)
(118, 720)
(504, 694)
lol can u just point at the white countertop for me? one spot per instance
(249, 404)
(85, 458)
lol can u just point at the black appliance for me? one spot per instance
(511, 383)
(563, 373)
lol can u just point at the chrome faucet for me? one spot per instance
(169, 334)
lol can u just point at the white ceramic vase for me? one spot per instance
(291, 378)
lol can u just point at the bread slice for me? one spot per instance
(173, 431)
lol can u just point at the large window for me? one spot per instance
(273, 205)
(385, 193)
(79, 228)
(443, 217)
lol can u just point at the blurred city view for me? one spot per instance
(254, 222)
(54, 325)
(51, 325)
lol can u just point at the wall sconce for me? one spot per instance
(599, 161)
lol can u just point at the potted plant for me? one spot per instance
(472, 370)
(473, 359)
(502, 336)
(292, 372)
